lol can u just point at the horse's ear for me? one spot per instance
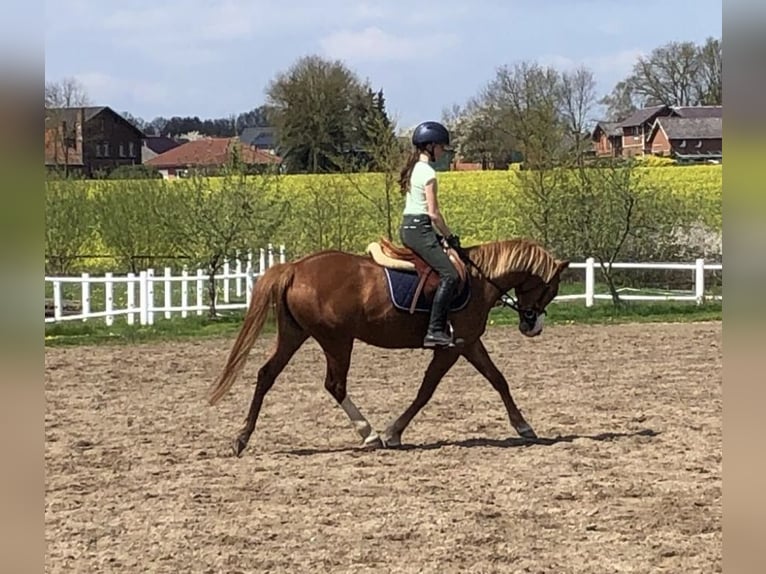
(561, 265)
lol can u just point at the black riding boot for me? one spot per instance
(437, 335)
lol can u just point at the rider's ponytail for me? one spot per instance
(404, 176)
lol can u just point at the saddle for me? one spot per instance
(386, 254)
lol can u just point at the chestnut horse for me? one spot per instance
(338, 297)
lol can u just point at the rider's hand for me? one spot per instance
(453, 241)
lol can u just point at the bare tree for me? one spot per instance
(674, 74)
(66, 93)
(668, 75)
(577, 99)
(621, 102)
(710, 80)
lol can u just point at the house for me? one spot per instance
(636, 127)
(262, 138)
(698, 111)
(152, 146)
(209, 154)
(90, 140)
(607, 139)
(688, 139)
(630, 137)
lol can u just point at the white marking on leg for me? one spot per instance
(360, 423)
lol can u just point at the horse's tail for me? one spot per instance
(268, 289)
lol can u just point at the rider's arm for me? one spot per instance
(433, 209)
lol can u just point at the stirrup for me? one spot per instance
(449, 342)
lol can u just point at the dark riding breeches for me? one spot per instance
(417, 233)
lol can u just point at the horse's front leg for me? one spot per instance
(476, 354)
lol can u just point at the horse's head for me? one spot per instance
(533, 296)
(526, 267)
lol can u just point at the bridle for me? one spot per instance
(505, 297)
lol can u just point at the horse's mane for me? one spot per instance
(521, 254)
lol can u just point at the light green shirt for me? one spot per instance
(416, 202)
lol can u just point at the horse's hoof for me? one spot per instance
(392, 441)
(528, 433)
(372, 442)
(238, 446)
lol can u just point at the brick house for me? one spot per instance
(636, 128)
(607, 139)
(209, 155)
(630, 137)
(90, 140)
(687, 138)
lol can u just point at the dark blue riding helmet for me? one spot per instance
(430, 133)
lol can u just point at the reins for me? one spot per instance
(505, 298)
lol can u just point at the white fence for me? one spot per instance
(140, 293)
(698, 268)
(236, 282)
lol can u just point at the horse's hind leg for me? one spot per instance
(289, 339)
(442, 362)
(338, 355)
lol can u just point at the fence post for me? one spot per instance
(271, 255)
(282, 253)
(108, 299)
(699, 280)
(226, 273)
(143, 306)
(200, 286)
(57, 308)
(262, 262)
(168, 292)
(131, 287)
(184, 292)
(248, 287)
(85, 296)
(150, 296)
(590, 281)
(238, 271)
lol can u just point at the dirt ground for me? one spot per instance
(140, 477)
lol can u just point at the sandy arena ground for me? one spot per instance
(140, 477)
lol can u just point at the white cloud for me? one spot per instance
(103, 88)
(374, 45)
(618, 63)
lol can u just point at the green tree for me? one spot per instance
(609, 209)
(527, 110)
(315, 108)
(379, 151)
(209, 220)
(130, 216)
(69, 226)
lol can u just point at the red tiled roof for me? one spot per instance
(209, 152)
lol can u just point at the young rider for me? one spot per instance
(422, 220)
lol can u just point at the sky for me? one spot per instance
(215, 58)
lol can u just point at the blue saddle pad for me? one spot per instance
(402, 286)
